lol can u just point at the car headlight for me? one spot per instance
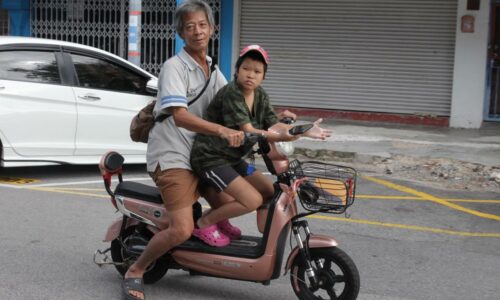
(285, 148)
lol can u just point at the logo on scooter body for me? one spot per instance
(150, 211)
(225, 263)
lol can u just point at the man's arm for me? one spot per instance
(183, 118)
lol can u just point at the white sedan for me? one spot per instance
(65, 103)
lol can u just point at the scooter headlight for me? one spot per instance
(285, 148)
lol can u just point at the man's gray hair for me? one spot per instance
(191, 6)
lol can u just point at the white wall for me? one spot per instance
(469, 76)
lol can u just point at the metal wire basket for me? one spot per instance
(326, 187)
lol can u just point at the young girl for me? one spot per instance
(242, 105)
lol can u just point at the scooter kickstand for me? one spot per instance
(105, 258)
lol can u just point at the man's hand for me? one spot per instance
(234, 137)
(316, 132)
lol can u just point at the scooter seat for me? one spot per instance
(140, 191)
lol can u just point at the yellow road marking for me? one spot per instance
(410, 227)
(80, 189)
(55, 190)
(323, 217)
(422, 199)
(17, 180)
(432, 198)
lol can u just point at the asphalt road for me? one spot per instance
(408, 241)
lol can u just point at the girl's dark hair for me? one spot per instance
(254, 55)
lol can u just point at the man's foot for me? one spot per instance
(233, 232)
(212, 236)
(133, 289)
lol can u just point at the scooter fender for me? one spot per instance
(315, 241)
(114, 229)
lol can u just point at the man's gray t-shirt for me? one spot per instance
(181, 79)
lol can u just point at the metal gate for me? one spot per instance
(392, 56)
(4, 21)
(492, 107)
(104, 24)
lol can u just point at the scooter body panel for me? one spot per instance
(255, 269)
(114, 229)
(251, 269)
(146, 212)
(315, 241)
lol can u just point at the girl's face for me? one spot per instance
(250, 74)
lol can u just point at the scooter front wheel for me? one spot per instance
(154, 272)
(338, 277)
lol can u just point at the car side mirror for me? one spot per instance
(152, 86)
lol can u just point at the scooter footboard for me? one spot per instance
(315, 241)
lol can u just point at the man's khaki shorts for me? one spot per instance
(178, 187)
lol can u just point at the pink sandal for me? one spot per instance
(233, 232)
(212, 236)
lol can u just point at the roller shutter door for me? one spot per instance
(362, 55)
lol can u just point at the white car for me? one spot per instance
(65, 103)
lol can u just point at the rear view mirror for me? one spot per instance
(152, 86)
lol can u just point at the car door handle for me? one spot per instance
(90, 98)
(2, 87)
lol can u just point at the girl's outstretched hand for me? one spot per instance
(316, 132)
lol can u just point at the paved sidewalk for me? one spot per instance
(467, 159)
(364, 141)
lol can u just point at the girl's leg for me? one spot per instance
(247, 199)
(262, 184)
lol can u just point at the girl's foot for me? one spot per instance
(212, 236)
(233, 232)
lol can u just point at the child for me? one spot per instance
(242, 105)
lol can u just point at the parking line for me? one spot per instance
(377, 197)
(17, 180)
(431, 198)
(65, 191)
(358, 221)
(409, 227)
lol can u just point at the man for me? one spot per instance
(181, 79)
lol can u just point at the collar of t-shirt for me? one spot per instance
(190, 62)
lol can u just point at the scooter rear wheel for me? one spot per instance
(337, 274)
(154, 272)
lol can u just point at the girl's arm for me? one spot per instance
(278, 134)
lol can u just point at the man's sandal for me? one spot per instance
(212, 236)
(133, 289)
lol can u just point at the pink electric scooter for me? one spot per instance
(318, 268)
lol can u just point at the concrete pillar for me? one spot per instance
(469, 76)
(134, 32)
(179, 42)
(226, 38)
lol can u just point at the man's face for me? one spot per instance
(196, 31)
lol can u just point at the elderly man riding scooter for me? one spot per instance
(185, 77)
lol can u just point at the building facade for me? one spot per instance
(433, 60)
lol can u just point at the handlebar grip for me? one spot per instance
(252, 138)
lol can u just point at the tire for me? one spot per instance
(339, 277)
(154, 272)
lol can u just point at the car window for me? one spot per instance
(97, 73)
(34, 66)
